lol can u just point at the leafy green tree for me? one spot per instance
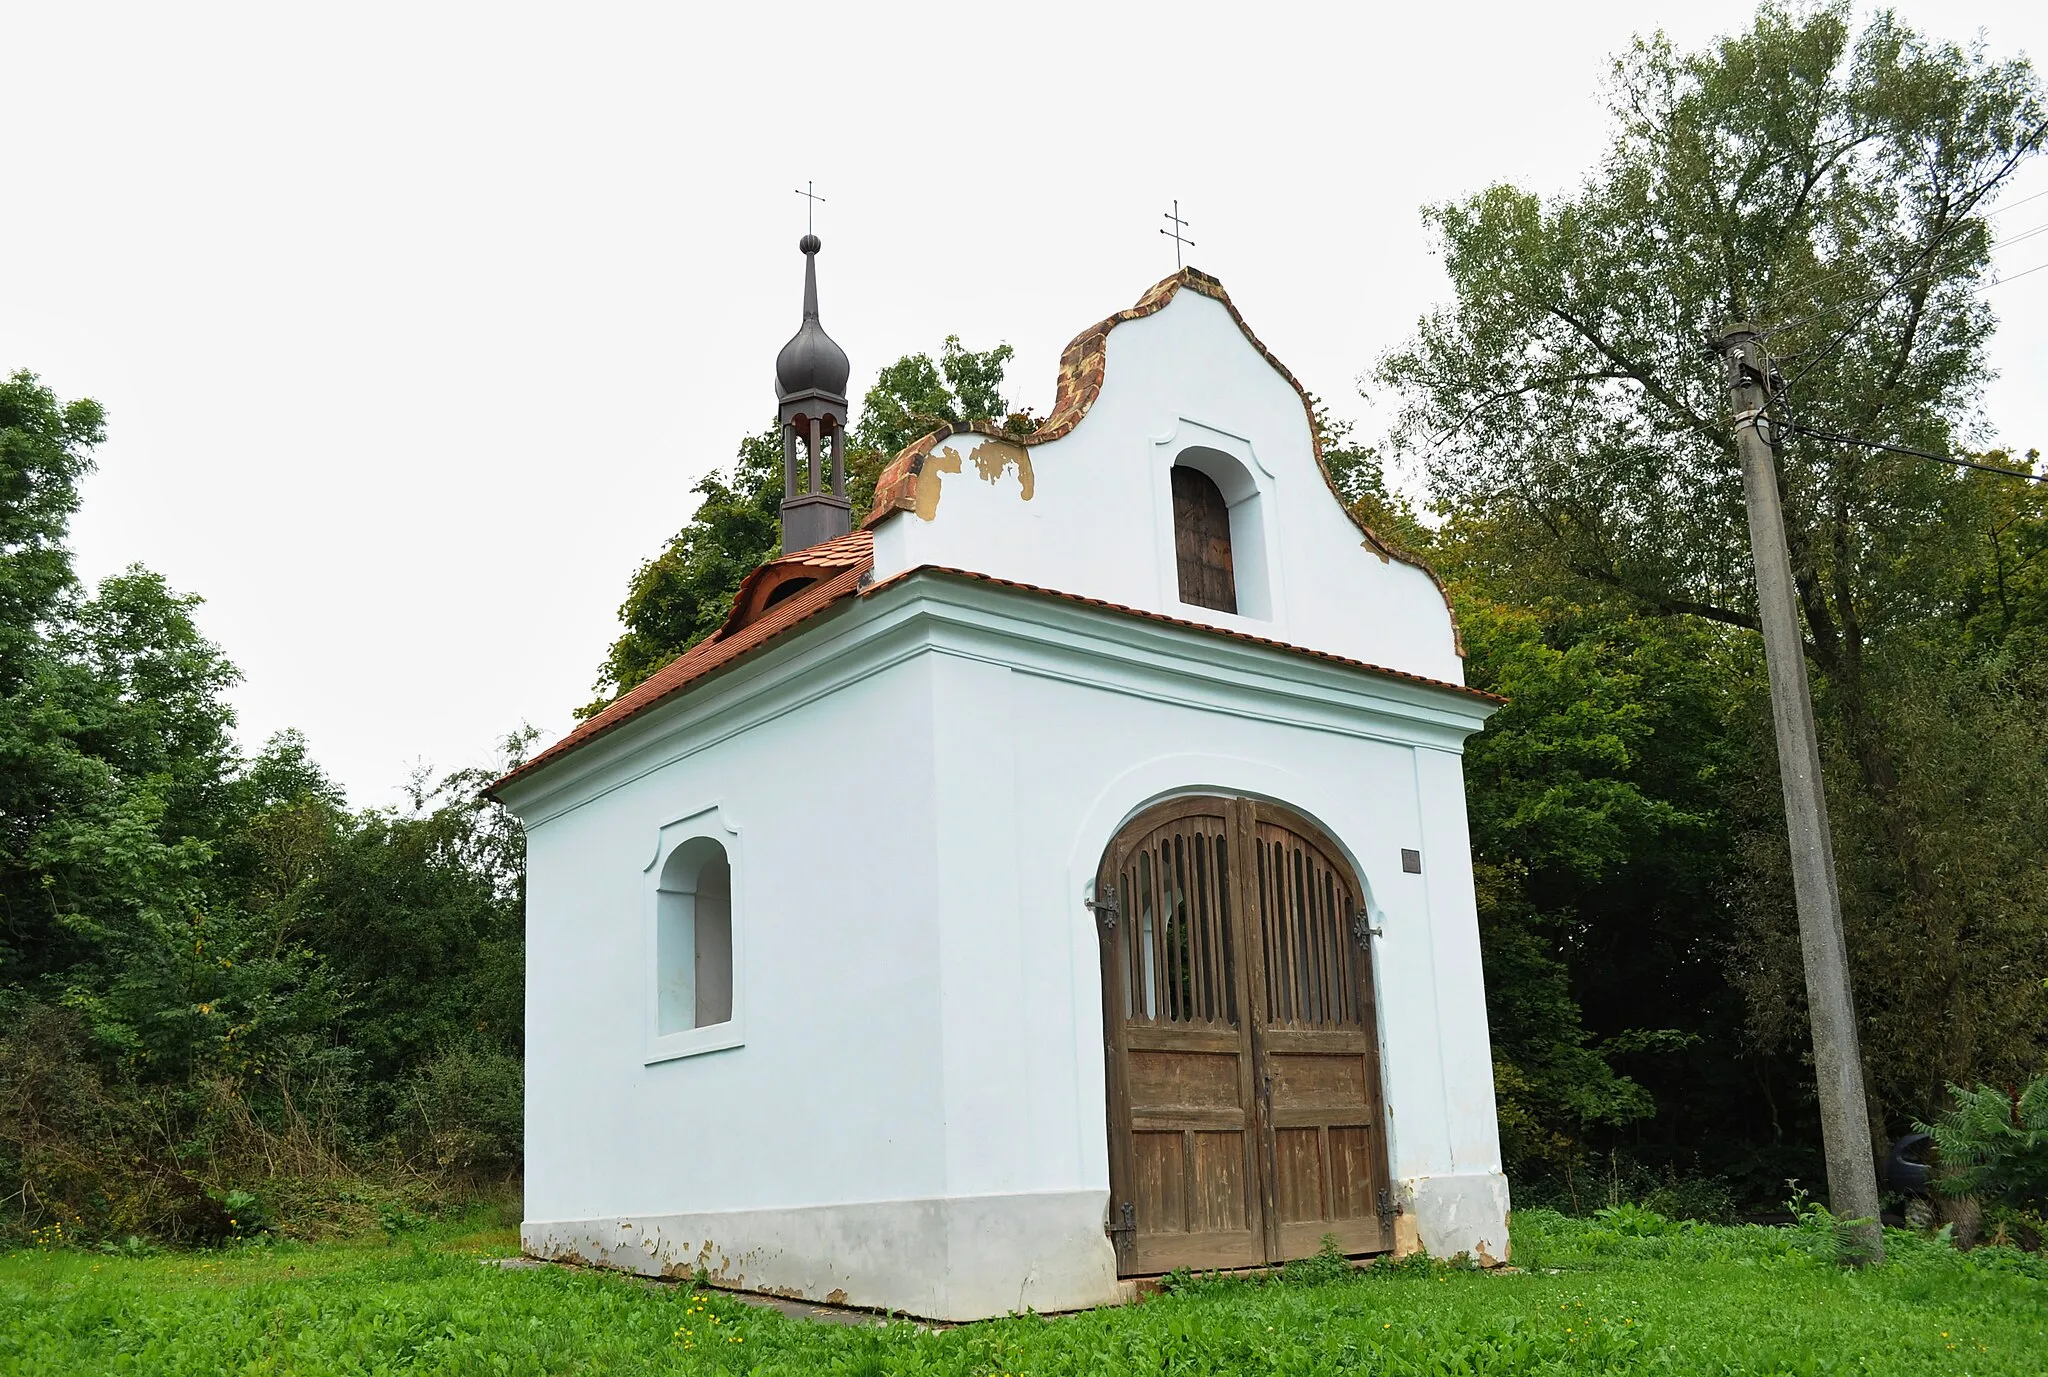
(683, 594)
(1601, 847)
(45, 449)
(914, 396)
(1831, 186)
(210, 970)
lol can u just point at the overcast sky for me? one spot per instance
(415, 325)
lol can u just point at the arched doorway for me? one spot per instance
(1244, 1083)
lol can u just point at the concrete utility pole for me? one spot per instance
(1837, 1058)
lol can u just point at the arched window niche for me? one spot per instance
(1219, 537)
(693, 951)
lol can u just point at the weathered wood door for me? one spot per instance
(1243, 1065)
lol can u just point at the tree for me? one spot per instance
(210, 970)
(1832, 188)
(683, 594)
(45, 449)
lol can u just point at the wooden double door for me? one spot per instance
(1243, 1058)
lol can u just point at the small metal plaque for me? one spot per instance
(1411, 861)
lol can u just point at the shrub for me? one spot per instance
(464, 1110)
(1995, 1146)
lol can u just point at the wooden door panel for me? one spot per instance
(1194, 1208)
(1243, 1056)
(1160, 1182)
(1319, 1082)
(1318, 1062)
(1352, 1151)
(1181, 1127)
(1164, 1081)
(1298, 1172)
(1355, 1237)
(1222, 1186)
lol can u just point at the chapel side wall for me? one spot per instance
(1098, 519)
(1089, 758)
(833, 1096)
(1459, 1194)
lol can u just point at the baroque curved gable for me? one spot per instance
(1082, 366)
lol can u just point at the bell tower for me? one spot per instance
(810, 383)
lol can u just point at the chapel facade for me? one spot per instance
(1059, 879)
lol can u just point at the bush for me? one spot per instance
(464, 1110)
(1995, 1146)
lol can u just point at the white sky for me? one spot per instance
(416, 324)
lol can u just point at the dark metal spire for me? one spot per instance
(812, 361)
(810, 382)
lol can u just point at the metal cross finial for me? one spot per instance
(809, 205)
(1179, 240)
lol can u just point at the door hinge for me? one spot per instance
(1386, 1209)
(1104, 907)
(1362, 929)
(1121, 1234)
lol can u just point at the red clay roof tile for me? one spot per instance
(722, 650)
(714, 653)
(1161, 617)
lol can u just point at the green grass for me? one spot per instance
(1623, 1296)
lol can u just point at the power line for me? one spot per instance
(1841, 336)
(1905, 279)
(1992, 214)
(1814, 433)
(1964, 212)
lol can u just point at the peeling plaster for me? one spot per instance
(991, 459)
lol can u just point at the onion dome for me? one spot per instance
(811, 362)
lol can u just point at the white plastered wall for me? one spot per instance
(1098, 520)
(918, 792)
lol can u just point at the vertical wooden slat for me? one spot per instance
(1162, 925)
(1276, 932)
(1340, 900)
(1205, 992)
(1162, 941)
(1182, 953)
(1302, 920)
(1120, 940)
(1340, 944)
(1333, 924)
(1211, 945)
(1261, 915)
(1290, 908)
(1231, 947)
(1212, 915)
(1326, 1167)
(1183, 868)
(1312, 974)
(1133, 897)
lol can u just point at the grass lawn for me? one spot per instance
(1591, 1297)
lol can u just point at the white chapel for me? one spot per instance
(1060, 879)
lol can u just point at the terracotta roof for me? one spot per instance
(763, 588)
(1229, 633)
(723, 648)
(833, 570)
(716, 651)
(1082, 364)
